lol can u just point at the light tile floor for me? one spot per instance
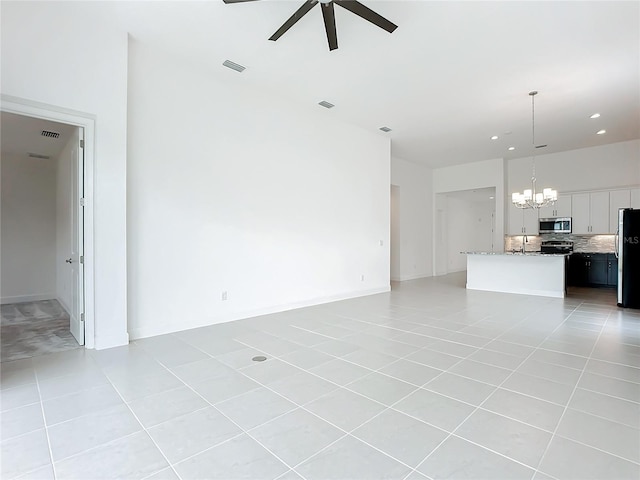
(428, 381)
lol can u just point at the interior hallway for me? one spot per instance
(427, 381)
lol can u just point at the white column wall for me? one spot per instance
(59, 54)
(231, 190)
(415, 213)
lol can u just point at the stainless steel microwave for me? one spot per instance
(554, 225)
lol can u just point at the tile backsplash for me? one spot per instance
(581, 243)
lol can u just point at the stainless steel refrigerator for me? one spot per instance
(628, 252)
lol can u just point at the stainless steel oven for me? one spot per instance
(554, 225)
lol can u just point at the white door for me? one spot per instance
(76, 259)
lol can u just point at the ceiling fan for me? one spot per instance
(329, 17)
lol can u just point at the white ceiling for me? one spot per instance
(21, 135)
(452, 75)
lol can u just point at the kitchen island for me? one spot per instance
(531, 273)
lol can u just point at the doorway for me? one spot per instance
(464, 221)
(42, 270)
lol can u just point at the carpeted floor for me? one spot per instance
(31, 329)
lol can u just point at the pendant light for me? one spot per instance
(531, 198)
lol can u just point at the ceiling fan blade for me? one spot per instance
(368, 14)
(301, 12)
(237, 1)
(329, 16)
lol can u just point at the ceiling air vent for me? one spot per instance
(37, 155)
(541, 146)
(233, 66)
(49, 134)
(326, 104)
(385, 129)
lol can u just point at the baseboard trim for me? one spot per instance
(404, 278)
(28, 298)
(144, 332)
(64, 305)
(101, 343)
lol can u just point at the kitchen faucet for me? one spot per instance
(525, 240)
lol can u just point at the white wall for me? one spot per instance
(394, 234)
(468, 228)
(470, 176)
(415, 214)
(234, 190)
(603, 167)
(28, 199)
(64, 224)
(59, 54)
(460, 229)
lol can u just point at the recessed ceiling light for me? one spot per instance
(233, 65)
(495, 137)
(326, 104)
(595, 115)
(601, 132)
(491, 198)
(511, 149)
(385, 129)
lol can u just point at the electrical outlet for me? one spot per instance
(362, 278)
(224, 296)
(381, 243)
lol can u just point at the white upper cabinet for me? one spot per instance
(530, 222)
(617, 199)
(523, 221)
(515, 221)
(590, 212)
(635, 198)
(600, 212)
(580, 213)
(562, 208)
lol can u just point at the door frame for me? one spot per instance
(86, 121)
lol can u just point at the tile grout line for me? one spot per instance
(524, 359)
(425, 347)
(44, 421)
(387, 407)
(245, 432)
(480, 405)
(555, 432)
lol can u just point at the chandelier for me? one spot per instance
(531, 198)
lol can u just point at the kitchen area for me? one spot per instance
(573, 241)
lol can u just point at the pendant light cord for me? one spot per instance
(533, 132)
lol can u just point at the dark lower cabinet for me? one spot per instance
(598, 272)
(593, 270)
(612, 265)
